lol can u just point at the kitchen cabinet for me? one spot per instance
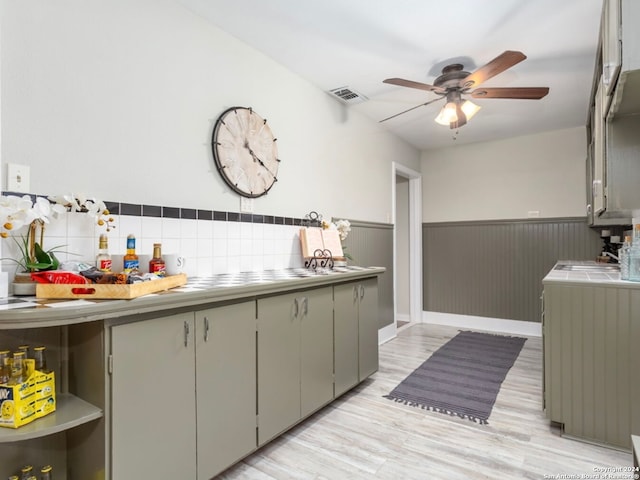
(590, 338)
(611, 44)
(346, 299)
(621, 55)
(52, 439)
(614, 145)
(367, 328)
(166, 385)
(157, 402)
(589, 189)
(356, 333)
(225, 341)
(153, 398)
(295, 358)
(598, 182)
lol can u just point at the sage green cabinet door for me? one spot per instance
(346, 298)
(368, 322)
(153, 417)
(316, 340)
(225, 386)
(278, 364)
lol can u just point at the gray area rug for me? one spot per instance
(463, 377)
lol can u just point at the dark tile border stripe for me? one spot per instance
(139, 210)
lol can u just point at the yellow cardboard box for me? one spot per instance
(22, 403)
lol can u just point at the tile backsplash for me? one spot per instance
(213, 242)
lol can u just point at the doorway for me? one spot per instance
(407, 247)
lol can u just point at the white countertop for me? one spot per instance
(606, 276)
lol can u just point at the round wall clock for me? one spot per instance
(245, 151)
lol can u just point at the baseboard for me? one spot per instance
(514, 327)
(387, 333)
(403, 317)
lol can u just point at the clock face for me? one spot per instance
(245, 151)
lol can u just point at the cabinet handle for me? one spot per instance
(361, 292)
(186, 334)
(355, 293)
(206, 329)
(305, 306)
(296, 310)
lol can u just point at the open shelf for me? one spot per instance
(71, 412)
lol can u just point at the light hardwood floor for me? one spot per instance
(363, 435)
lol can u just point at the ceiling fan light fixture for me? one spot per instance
(470, 109)
(449, 115)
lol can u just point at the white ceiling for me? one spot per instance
(359, 43)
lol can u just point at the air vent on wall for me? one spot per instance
(348, 95)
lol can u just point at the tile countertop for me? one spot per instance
(28, 312)
(607, 276)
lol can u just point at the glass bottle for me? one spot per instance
(156, 264)
(5, 367)
(130, 260)
(25, 349)
(18, 373)
(623, 256)
(13, 477)
(636, 232)
(634, 255)
(103, 259)
(41, 359)
(46, 473)
(26, 472)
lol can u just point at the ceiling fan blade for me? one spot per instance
(498, 65)
(525, 93)
(401, 82)
(412, 108)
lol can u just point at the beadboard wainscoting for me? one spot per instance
(371, 244)
(495, 268)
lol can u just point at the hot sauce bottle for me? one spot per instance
(156, 264)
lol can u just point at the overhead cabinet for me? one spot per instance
(614, 120)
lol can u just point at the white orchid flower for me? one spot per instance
(343, 227)
(42, 209)
(16, 212)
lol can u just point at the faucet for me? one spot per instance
(609, 254)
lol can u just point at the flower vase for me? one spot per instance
(23, 284)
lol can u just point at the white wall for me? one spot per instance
(118, 99)
(507, 179)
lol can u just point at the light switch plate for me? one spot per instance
(18, 178)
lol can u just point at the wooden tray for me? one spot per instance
(50, 290)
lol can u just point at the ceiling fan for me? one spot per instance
(455, 82)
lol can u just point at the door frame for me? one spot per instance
(415, 240)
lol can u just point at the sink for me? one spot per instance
(603, 267)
